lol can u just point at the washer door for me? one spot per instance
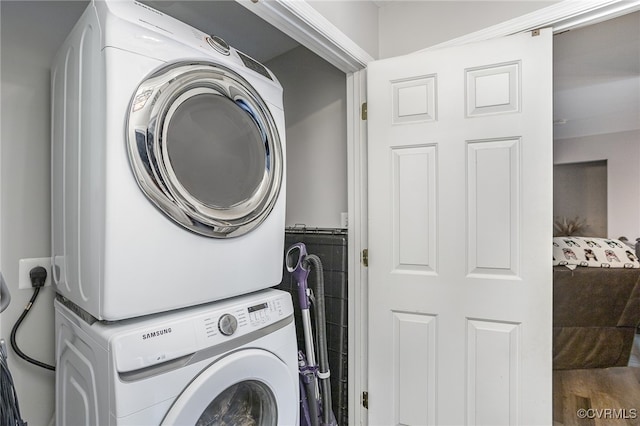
(249, 387)
(205, 149)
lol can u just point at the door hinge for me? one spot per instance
(365, 400)
(363, 111)
(535, 33)
(365, 257)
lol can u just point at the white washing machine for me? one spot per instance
(168, 165)
(232, 362)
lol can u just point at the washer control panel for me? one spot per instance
(170, 336)
(259, 314)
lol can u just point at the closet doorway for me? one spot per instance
(596, 170)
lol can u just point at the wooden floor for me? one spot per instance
(598, 396)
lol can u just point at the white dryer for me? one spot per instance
(168, 165)
(230, 362)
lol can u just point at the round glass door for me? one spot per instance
(205, 149)
(251, 387)
(248, 403)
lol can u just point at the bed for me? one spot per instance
(596, 302)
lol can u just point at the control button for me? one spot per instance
(219, 44)
(227, 324)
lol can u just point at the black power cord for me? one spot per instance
(38, 277)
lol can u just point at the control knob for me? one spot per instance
(218, 44)
(227, 324)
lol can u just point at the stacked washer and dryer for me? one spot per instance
(168, 203)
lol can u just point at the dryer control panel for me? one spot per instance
(165, 337)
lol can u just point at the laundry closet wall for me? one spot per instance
(30, 33)
(316, 122)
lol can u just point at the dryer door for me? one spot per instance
(249, 387)
(205, 149)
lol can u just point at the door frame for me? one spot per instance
(303, 23)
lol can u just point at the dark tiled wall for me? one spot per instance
(330, 245)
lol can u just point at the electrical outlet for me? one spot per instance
(26, 265)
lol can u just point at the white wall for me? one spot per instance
(580, 190)
(315, 111)
(622, 152)
(596, 78)
(25, 212)
(358, 20)
(408, 26)
(30, 33)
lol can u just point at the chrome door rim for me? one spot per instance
(151, 109)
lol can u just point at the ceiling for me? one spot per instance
(597, 78)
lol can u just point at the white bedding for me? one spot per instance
(593, 252)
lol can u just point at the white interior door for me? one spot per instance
(460, 225)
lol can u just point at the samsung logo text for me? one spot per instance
(156, 333)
